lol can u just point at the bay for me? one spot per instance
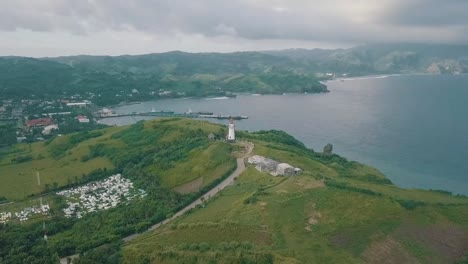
(413, 128)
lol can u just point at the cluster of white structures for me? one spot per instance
(100, 195)
(5, 217)
(273, 167)
(24, 214)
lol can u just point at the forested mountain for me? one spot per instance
(112, 78)
(182, 63)
(383, 59)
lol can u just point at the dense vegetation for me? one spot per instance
(7, 134)
(110, 80)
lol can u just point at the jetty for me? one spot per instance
(110, 114)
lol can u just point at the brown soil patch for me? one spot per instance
(449, 242)
(238, 154)
(189, 187)
(388, 251)
(341, 240)
(314, 217)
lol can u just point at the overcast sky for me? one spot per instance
(68, 27)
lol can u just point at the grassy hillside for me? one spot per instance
(172, 160)
(177, 150)
(335, 212)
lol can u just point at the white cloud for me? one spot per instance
(58, 27)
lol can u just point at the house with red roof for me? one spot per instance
(83, 119)
(40, 122)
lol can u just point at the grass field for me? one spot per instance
(208, 164)
(62, 162)
(302, 220)
(19, 179)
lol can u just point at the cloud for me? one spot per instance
(341, 22)
(428, 13)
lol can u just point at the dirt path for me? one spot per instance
(240, 168)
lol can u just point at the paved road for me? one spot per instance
(240, 168)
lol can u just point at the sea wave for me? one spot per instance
(217, 98)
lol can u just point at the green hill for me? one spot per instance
(179, 148)
(110, 80)
(107, 80)
(336, 211)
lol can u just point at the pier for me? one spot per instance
(171, 114)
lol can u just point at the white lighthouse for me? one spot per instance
(231, 136)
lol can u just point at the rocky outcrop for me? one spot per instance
(328, 149)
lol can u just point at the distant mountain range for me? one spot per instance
(360, 60)
(383, 59)
(208, 74)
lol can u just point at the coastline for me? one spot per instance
(376, 76)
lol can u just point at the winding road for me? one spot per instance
(228, 181)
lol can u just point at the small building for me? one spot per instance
(48, 129)
(79, 104)
(273, 167)
(285, 169)
(83, 119)
(165, 93)
(57, 113)
(40, 122)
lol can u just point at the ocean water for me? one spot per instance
(413, 128)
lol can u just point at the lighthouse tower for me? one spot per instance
(231, 136)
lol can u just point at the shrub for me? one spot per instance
(184, 246)
(233, 245)
(204, 246)
(246, 245)
(182, 226)
(223, 246)
(21, 159)
(251, 200)
(342, 185)
(410, 204)
(193, 246)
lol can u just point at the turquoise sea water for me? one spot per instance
(414, 128)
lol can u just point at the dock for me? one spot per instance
(173, 114)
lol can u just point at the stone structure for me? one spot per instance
(328, 149)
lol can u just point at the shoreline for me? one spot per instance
(376, 76)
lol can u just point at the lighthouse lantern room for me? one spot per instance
(231, 136)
